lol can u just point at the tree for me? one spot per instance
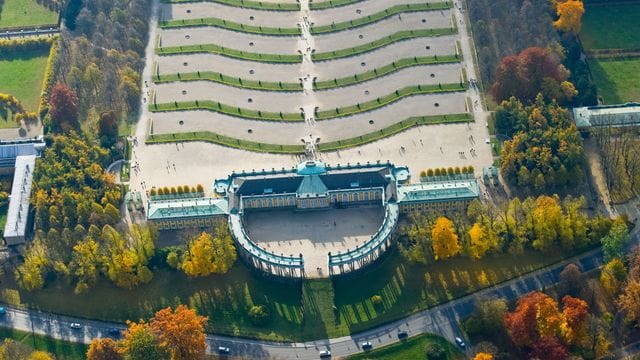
(445, 240)
(614, 243)
(549, 348)
(420, 247)
(483, 356)
(569, 16)
(536, 315)
(40, 355)
(613, 276)
(480, 243)
(140, 343)
(103, 349)
(574, 312)
(71, 13)
(571, 279)
(488, 317)
(180, 332)
(259, 315)
(435, 351)
(11, 349)
(210, 255)
(63, 109)
(30, 274)
(547, 216)
(628, 301)
(108, 128)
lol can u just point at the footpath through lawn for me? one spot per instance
(61, 349)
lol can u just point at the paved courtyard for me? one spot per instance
(313, 233)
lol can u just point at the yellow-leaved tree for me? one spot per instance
(480, 242)
(445, 240)
(210, 255)
(483, 356)
(569, 16)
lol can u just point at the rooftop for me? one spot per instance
(19, 203)
(439, 190)
(181, 208)
(604, 115)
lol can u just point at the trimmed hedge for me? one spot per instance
(20, 46)
(394, 10)
(385, 70)
(330, 4)
(249, 4)
(230, 25)
(228, 80)
(394, 129)
(49, 78)
(226, 109)
(211, 137)
(388, 99)
(376, 44)
(232, 53)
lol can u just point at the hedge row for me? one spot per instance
(388, 99)
(385, 70)
(395, 37)
(226, 109)
(330, 4)
(225, 141)
(249, 4)
(230, 25)
(394, 10)
(228, 80)
(10, 48)
(394, 129)
(232, 53)
(49, 78)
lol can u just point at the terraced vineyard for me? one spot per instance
(307, 76)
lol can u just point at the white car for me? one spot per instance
(76, 326)
(460, 342)
(223, 350)
(366, 345)
(325, 354)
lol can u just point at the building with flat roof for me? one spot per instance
(621, 115)
(19, 156)
(443, 195)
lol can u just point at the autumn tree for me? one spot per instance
(208, 254)
(126, 265)
(480, 242)
(483, 356)
(487, 317)
(533, 71)
(419, 247)
(612, 276)
(547, 216)
(571, 279)
(628, 301)
(63, 109)
(103, 349)
(574, 312)
(180, 332)
(445, 240)
(549, 348)
(569, 16)
(140, 343)
(30, 274)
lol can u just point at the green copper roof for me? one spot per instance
(312, 186)
(439, 191)
(311, 168)
(186, 208)
(607, 115)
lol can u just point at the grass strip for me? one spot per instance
(394, 10)
(230, 25)
(228, 80)
(385, 70)
(232, 53)
(394, 129)
(248, 4)
(388, 99)
(226, 109)
(211, 137)
(330, 4)
(376, 44)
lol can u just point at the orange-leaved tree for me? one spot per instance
(180, 332)
(483, 356)
(569, 16)
(104, 349)
(445, 240)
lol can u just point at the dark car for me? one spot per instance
(402, 334)
(115, 332)
(3, 311)
(367, 345)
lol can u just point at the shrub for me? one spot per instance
(376, 300)
(423, 173)
(437, 172)
(470, 169)
(457, 170)
(160, 191)
(173, 260)
(173, 191)
(430, 172)
(153, 192)
(258, 315)
(434, 351)
(450, 171)
(443, 171)
(179, 189)
(200, 188)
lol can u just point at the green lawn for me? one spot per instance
(616, 79)
(25, 13)
(299, 312)
(611, 26)
(22, 77)
(413, 348)
(61, 349)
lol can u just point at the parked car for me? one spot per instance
(402, 334)
(114, 332)
(223, 350)
(76, 326)
(367, 345)
(3, 311)
(325, 354)
(460, 342)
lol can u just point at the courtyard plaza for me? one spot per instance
(313, 233)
